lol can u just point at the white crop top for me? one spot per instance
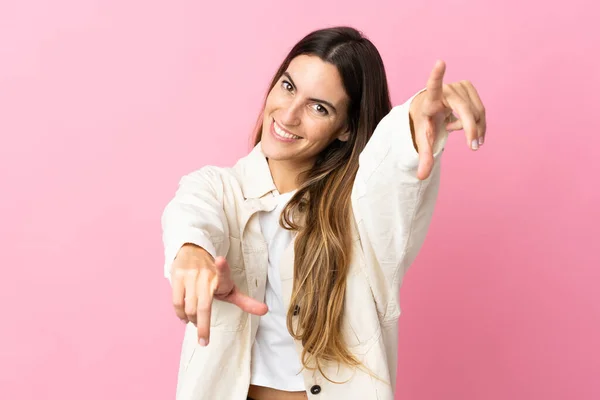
(275, 362)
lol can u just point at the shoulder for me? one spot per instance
(212, 175)
(222, 176)
(249, 174)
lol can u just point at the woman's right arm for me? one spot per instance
(195, 216)
(196, 242)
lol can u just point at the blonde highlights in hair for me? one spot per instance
(321, 210)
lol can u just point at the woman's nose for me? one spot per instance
(291, 115)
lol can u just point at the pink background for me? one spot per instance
(105, 104)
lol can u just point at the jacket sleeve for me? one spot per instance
(195, 215)
(392, 207)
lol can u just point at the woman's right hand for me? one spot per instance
(197, 279)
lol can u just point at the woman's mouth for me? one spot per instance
(282, 134)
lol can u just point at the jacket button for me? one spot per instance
(315, 389)
(296, 310)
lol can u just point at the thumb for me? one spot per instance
(246, 303)
(221, 262)
(222, 268)
(233, 294)
(424, 138)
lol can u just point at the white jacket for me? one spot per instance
(216, 208)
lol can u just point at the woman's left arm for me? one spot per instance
(397, 182)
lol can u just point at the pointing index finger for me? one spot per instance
(435, 82)
(206, 285)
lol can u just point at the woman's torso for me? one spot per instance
(265, 393)
(392, 210)
(275, 364)
(224, 366)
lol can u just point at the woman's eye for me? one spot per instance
(287, 86)
(320, 109)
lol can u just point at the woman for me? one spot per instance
(287, 266)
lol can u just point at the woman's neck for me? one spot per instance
(285, 174)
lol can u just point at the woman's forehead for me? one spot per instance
(316, 78)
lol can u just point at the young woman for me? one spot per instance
(287, 266)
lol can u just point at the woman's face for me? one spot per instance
(305, 111)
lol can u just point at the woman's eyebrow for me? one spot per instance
(289, 77)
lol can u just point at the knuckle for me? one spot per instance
(190, 308)
(180, 315)
(175, 274)
(178, 303)
(205, 273)
(202, 307)
(191, 274)
(179, 272)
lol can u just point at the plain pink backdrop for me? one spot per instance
(105, 104)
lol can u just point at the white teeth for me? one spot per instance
(282, 133)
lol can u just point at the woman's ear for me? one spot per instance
(344, 135)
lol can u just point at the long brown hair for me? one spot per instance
(323, 244)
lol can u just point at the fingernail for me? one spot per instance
(202, 342)
(481, 141)
(474, 144)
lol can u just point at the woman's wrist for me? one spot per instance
(191, 248)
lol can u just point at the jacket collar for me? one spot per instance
(256, 179)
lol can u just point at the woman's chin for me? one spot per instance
(273, 154)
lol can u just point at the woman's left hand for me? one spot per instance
(438, 104)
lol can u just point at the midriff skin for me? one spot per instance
(265, 393)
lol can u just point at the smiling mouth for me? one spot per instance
(282, 133)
